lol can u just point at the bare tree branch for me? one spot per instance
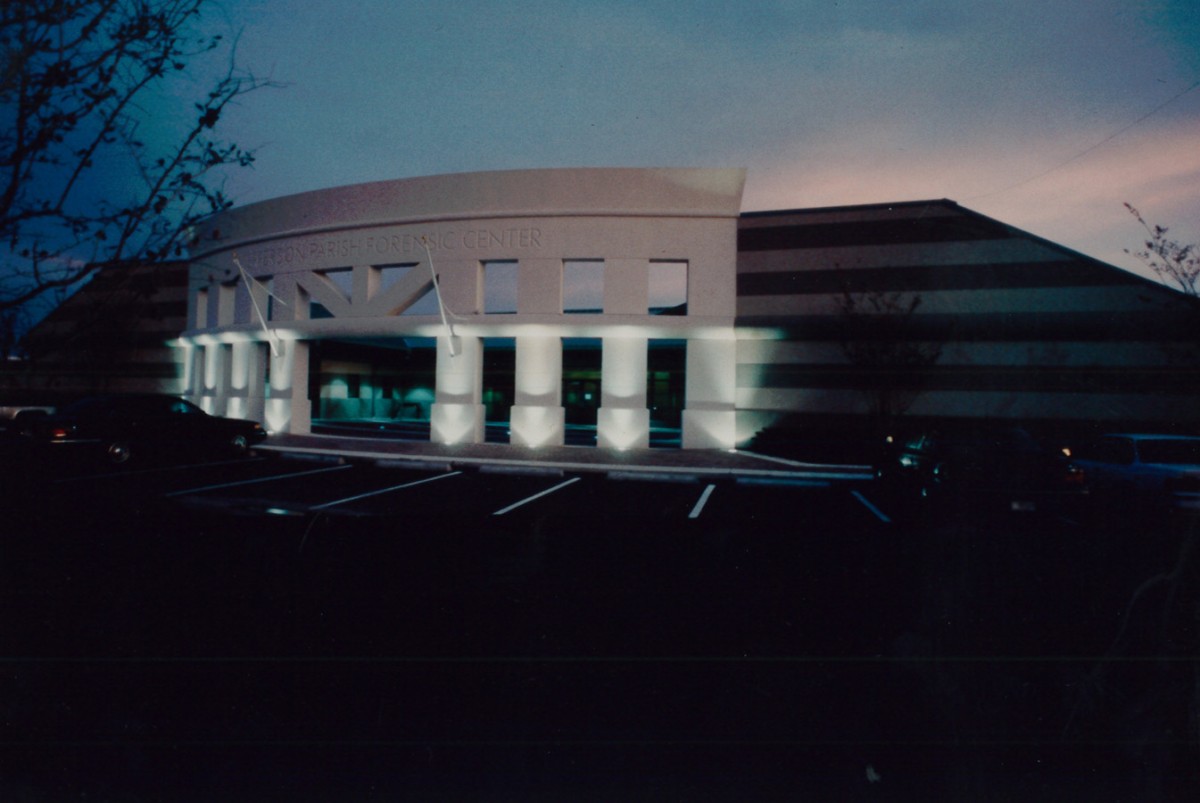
(1171, 260)
(883, 343)
(79, 188)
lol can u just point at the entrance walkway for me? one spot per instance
(669, 463)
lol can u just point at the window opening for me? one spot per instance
(668, 287)
(581, 388)
(391, 275)
(499, 386)
(583, 286)
(500, 287)
(343, 280)
(665, 383)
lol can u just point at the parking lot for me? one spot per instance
(308, 625)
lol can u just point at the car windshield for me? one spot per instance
(1179, 451)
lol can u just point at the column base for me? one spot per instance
(456, 423)
(623, 428)
(535, 426)
(250, 408)
(709, 429)
(293, 416)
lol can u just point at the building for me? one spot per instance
(369, 275)
(113, 336)
(933, 311)
(625, 302)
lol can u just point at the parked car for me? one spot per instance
(1143, 467)
(1004, 467)
(120, 428)
(18, 419)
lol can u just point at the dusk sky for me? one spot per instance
(1045, 114)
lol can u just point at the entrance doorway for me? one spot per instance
(499, 386)
(383, 387)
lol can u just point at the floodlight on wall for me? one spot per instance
(437, 291)
(272, 338)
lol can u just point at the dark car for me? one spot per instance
(121, 428)
(1004, 468)
(1132, 468)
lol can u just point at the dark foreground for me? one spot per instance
(598, 644)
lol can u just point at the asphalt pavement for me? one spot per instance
(348, 619)
(645, 461)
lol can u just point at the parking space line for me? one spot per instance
(241, 461)
(529, 499)
(258, 480)
(335, 503)
(695, 514)
(867, 504)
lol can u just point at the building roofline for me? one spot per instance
(762, 213)
(1071, 252)
(947, 203)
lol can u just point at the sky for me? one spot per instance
(1045, 114)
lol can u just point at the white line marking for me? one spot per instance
(161, 469)
(260, 479)
(867, 503)
(784, 461)
(783, 482)
(382, 491)
(529, 499)
(695, 514)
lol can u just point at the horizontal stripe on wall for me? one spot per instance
(871, 232)
(978, 352)
(68, 372)
(93, 342)
(760, 405)
(154, 310)
(1162, 326)
(918, 278)
(1053, 379)
(1044, 300)
(173, 274)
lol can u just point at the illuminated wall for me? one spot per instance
(356, 262)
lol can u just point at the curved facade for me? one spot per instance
(270, 280)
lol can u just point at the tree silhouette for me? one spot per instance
(1171, 260)
(90, 176)
(883, 344)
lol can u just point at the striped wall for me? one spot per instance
(110, 337)
(1021, 328)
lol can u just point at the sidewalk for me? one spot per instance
(668, 463)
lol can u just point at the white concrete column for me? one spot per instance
(709, 415)
(457, 415)
(194, 372)
(288, 408)
(538, 418)
(623, 422)
(247, 390)
(239, 379)
(214, 394)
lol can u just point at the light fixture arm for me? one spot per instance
(272, 338)
(452, 338)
